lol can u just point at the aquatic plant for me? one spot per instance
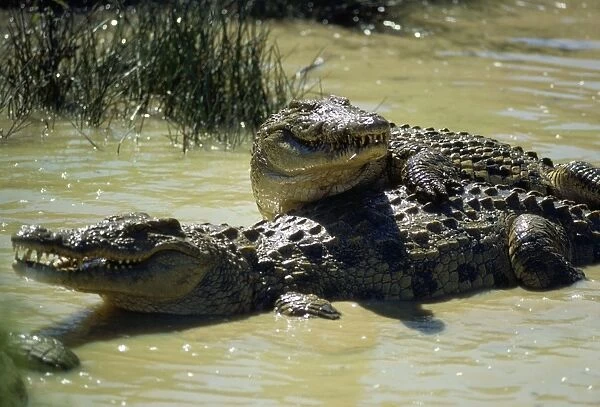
(217, 69)
(16, 102)
(209, 70)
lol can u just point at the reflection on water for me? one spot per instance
(563, 44)
(536, 85)
(567, 62)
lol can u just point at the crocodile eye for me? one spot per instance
(340, 100)
(287, 133)
(167, 226)
(304, 105)
(172, 223)
(137, 229)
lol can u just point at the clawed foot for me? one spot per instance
(40, 352)
(305, 305)
(431, 176)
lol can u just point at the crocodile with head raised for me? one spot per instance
(380, 245)
(313, 140)
(322, 147)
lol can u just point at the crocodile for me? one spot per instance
(31, 351)
(320, 147)
(374, 245)
(39, 352)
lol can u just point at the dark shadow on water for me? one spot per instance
(411, 314)
(105, 322)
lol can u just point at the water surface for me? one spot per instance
(525, 72)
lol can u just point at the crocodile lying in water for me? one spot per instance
(383, 245)
(318, 148)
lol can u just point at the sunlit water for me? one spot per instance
(528, 73)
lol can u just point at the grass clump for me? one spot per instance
(207, 69)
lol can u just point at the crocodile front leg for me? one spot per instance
(540, 253)
(305, 305)
(429, 174)
(483, 159)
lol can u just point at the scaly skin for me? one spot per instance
(334, 141)
(382, 245)
(484, 159)
(34, 351)
(28, 351)
(286, 176)
(39, 352)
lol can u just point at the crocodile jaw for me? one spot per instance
(275, 193)
(140, 263)
(316, 148)
(165, 275)
(288, 155)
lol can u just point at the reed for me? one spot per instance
(210, 71)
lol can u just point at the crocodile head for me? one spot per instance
(133, 261)
(316, 148)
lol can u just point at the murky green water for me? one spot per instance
(527, 73)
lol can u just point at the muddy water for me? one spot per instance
(527, 73)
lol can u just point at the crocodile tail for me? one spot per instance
(578, 181)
